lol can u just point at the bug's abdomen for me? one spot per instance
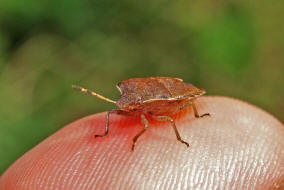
(160, 107)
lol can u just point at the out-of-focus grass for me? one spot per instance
(229, 48)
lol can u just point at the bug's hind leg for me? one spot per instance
(181, 107)
(168, 118)
(196, 114)
(146, 124)
(107, 120)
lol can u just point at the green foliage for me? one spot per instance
(229, 48)
(228, 41)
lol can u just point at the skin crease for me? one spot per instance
(238, 147)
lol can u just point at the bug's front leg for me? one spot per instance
(107, 120)
(196, 114)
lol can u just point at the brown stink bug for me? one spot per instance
(159, 97)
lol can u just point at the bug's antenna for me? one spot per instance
(78, 88)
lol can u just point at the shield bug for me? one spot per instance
(158, 97)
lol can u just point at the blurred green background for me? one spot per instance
(230, 48)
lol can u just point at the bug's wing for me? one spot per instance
(179, 89)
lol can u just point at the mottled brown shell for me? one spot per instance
(139, 91)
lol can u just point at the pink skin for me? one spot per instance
(238, 147)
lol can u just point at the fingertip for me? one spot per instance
(238, 147)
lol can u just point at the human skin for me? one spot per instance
(239, 147)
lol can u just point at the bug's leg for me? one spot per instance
(196, 114)
(168, 118)
(146, 124)
(181, 107)
(107, 120)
